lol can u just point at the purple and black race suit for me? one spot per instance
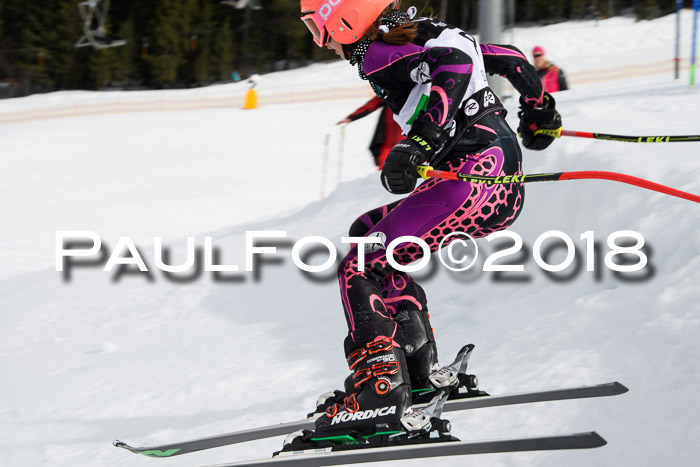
(441, 77)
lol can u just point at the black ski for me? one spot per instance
(322, 457)
(582, 392)
(184, 447)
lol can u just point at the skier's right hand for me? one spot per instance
(399, 174)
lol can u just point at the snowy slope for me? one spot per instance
(149, 360)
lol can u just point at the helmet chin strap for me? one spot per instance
(348, 49)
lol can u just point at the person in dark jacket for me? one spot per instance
(387, 133)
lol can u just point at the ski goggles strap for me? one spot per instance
(318, 30)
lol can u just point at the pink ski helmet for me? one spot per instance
(537, 51)
(346, 21)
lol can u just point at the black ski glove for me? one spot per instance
(539, 126)
(399, 174)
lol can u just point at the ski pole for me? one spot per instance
(324, 163)
(341, 150)
(627, 139)
(426, 172)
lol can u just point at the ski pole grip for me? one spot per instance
(553, 133)
(423, 171)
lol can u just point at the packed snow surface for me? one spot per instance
(90, 356)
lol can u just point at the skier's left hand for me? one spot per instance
(539, 125)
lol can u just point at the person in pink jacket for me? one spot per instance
(552, 76)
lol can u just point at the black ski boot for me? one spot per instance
(418, 344)
(418, 340)
(378, 393)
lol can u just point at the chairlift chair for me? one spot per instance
(240, 4)
(92, 11)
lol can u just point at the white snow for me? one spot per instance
(93, 358)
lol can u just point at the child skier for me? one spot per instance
(433, 77)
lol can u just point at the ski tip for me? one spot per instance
(620, 388)
(123, 445)
(592, 439)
